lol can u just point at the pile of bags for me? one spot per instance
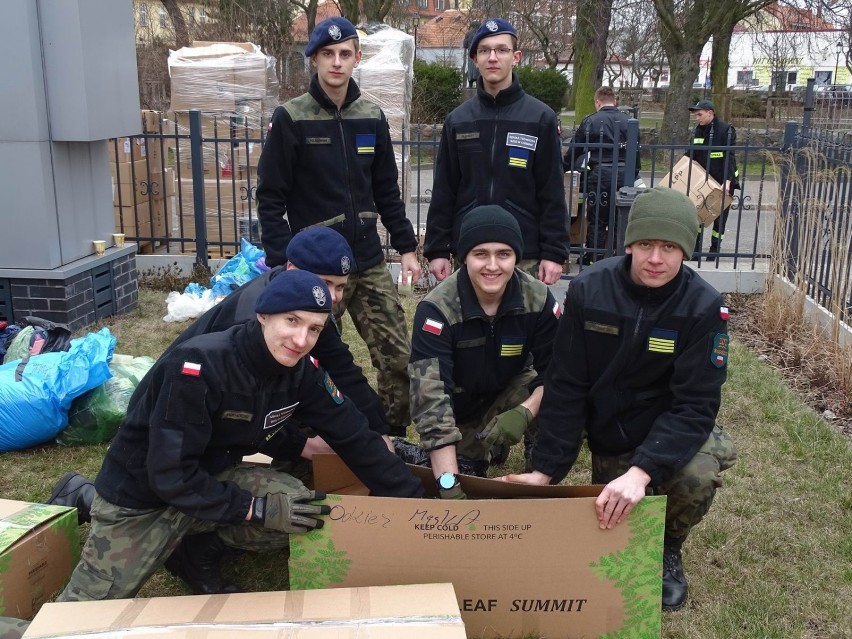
(52, 386)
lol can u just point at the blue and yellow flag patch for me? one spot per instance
(365, 143)
(662, 340)
(512, 346)
(518, 157)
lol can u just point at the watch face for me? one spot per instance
(447, 481)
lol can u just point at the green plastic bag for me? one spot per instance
(95, 416)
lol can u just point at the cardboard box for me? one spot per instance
(414, 612)
(577, 233)
(523, 560)
(690, 178)
(572, 192)
(126, 149)
(143, 220)
(130, 183)
(39, 547)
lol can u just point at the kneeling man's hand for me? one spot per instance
(507, 428)
(289, 512)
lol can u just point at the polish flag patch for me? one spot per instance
(314, 361)
(556, 310)
(191, 368)
(431, 326)
(724, 313)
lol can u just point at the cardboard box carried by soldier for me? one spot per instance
(690, 178)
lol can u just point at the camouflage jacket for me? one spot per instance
(330, 166)
(461, 359)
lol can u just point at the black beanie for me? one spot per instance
(490, 223)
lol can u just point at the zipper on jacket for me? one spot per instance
(339, 117)
(494, 149)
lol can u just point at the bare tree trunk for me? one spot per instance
(178, 22)
(719, 66)
(593, 18)
(351, 10)
(310, 9)
(377, 10)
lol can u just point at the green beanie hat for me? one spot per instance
(663, 214)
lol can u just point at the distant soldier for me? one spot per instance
(604, 168)
(328, 160)
(719, 162)
(638, 366)
(482, 340)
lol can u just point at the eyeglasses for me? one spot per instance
(501, 52)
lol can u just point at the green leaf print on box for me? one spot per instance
(314, 561)
(637, 571)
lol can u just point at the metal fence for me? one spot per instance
(193, 188)
(815, 234)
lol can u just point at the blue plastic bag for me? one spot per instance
(36, 393)
(238, 270)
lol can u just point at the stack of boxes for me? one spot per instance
(141, 183)
(386, 78)
(235, 87)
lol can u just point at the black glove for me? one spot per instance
(289, 512)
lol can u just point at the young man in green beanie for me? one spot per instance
(639, 361)
(481, 343)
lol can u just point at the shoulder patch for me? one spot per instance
(191, 368)
(331, 389)
(557, 312)
(724, 313)
(719, 352)
(314, 361)
(433, 326)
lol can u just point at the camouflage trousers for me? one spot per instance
(515, 392)
(373, 303)
(690, 492)
(11, 628)
(127, 545)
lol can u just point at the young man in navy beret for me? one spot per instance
(328, 160)
(501, 147)
(325, 253)
(174, 468)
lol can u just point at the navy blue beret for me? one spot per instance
(491, 27)
(294, 290)
(330, 31)
(321, 250)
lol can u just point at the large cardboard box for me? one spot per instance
(690, 178)
(143, 220)
(523, 560)
(426, 611)
(39, 547)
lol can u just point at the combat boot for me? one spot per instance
(73, 489)
(675, 588)
(196, 562)
(715, 245)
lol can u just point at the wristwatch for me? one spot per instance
(448, 481)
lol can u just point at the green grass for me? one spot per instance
(773, 558)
